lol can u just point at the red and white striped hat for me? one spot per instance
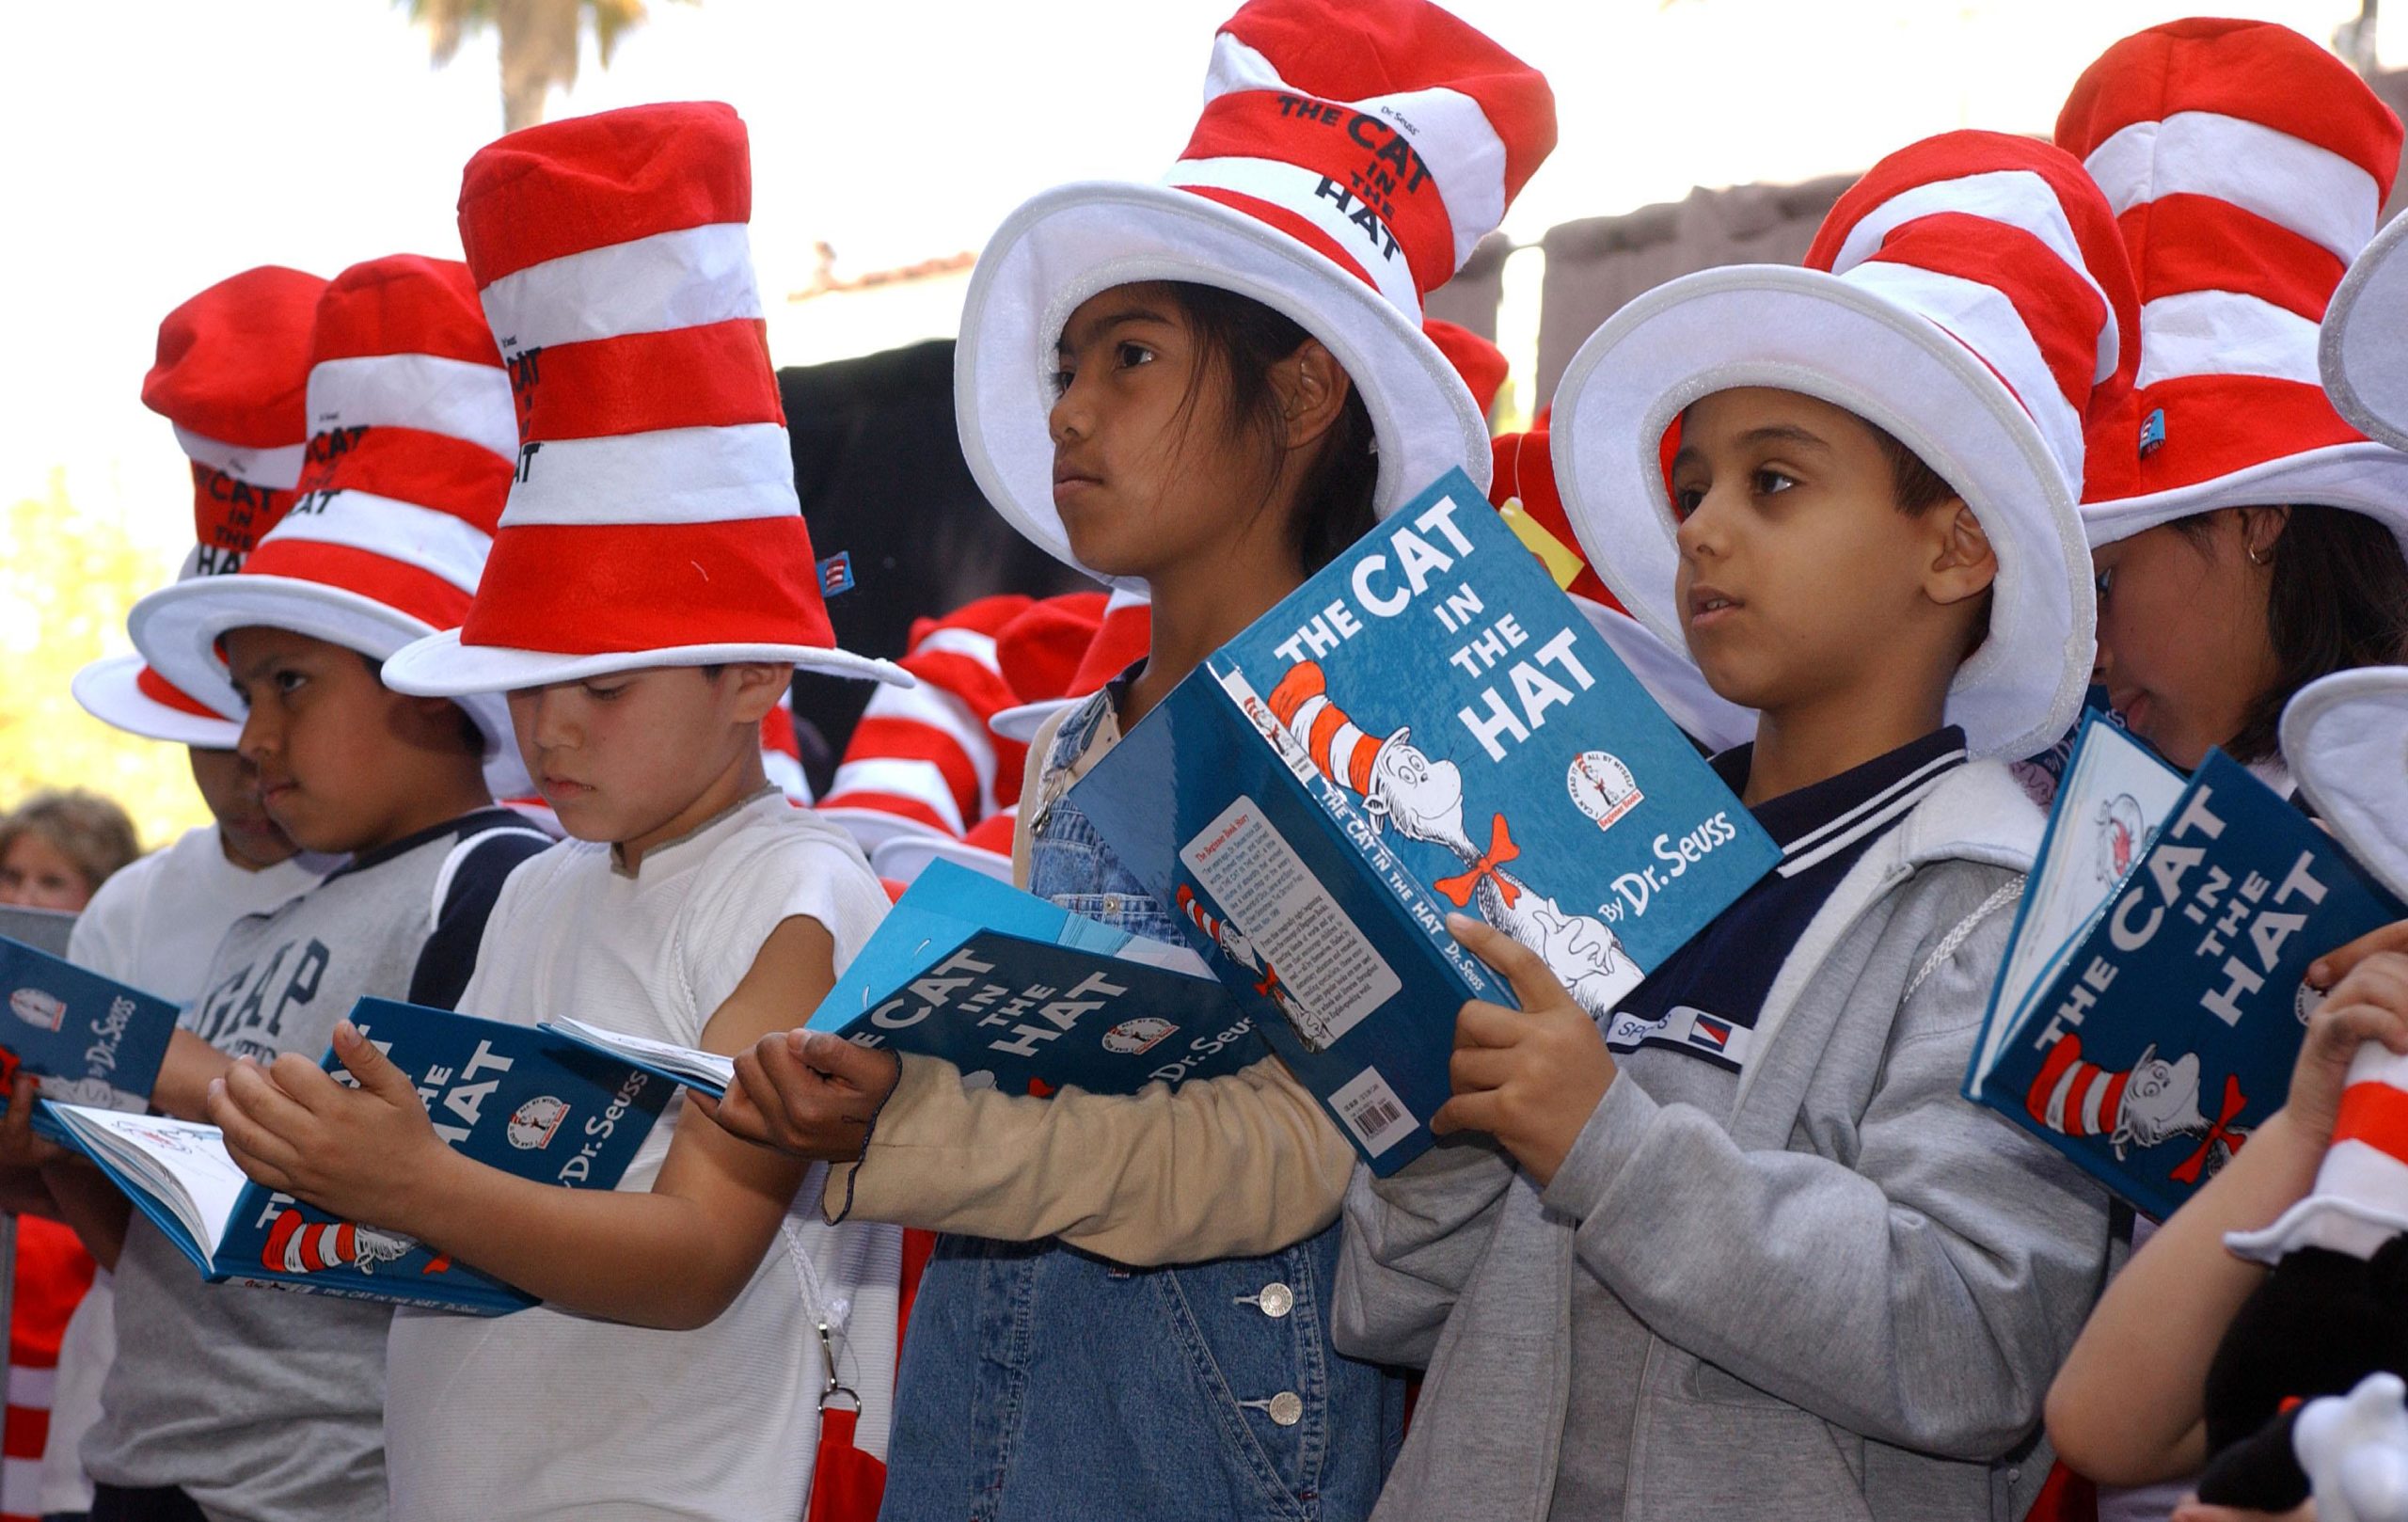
(2075, 1097)
(1121, 638)
(2360, 1200)
(1969, 295)
(922, 759)
(1339, 748)
(988, 847)
(782, 754)
(1524, 493)
(1482, 364)
(231, 373)
(653, 519)
(1350, 156)
(410, 457)
(2246, 166)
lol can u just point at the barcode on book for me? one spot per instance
(1371, 1111)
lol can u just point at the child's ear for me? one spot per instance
(1312, 388)
(1963, 563)
(757, 687)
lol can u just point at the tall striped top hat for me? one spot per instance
(1970, 296)
(231, 374)
(922, 760)
(1525, 495)
(1350, 156)
(409, 459)
(1119, 638)
(2246, 166)
(653, 518)
(2360, 1199)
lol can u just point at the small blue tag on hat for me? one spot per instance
(836, 574)
(2152, 433)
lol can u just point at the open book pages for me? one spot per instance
(180, 1164)
(704, 1070)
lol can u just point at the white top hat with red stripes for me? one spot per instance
(2246, 166)
(410, 456)
(2360, 1200)
(653, 518)
(1970, 296)
(1350, 156)
(2345, 740)
(1121, 639)
(922, 760)
(231, 375)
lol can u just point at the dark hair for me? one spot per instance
(1245, 338)
(2337, 599)
(1918, 486)
(470, 735)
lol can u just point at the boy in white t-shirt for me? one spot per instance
(650, 589)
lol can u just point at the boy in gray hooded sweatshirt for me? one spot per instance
(1745, 1251)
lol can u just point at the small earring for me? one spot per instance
(2255, 558)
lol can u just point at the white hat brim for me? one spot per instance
(904, 857)
(2345, 737)
(2334, 1222)
(1067, 244)
(438, 665)
(2359, 347)
(2362, 477)
(107, 689)
(1811, 332)
(1020, 723)
(177, 629)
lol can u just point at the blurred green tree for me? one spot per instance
(539, 41)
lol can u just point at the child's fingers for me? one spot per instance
(364, 1061)
(1482, 1023)
(259, 1151)
(261, 1102)
(2336, 964)
(1473, 1068)
(1479, 1111)
(1533, 982)
(751, 1104)
(865, 1068)
(2381, 978)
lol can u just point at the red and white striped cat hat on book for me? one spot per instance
(922, 760)
(410, 456)
(1350, 155)
(653, 519)
(2346, 738)
(231, 375)
(1969, 295)
(2247, 168)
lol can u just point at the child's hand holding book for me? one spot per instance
(368, 1153)
(809, 1094)
(1530, 1077)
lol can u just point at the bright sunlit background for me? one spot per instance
(157, 146)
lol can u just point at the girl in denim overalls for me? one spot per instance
(1210, 387)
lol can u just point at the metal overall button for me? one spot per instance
(1274, 1300)
(1285, 1409)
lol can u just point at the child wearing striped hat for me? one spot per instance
(229, 1401)
(651, 590)
(1215, 432)
(1743, 1248)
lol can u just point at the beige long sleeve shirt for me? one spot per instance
(1219, 1167)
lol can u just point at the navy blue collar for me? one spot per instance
(1826, 819)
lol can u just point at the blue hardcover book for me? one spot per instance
(1427, 725)
(520, 1099)
(91, 1039)
(2151, 1007)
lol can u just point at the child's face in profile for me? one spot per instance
(622, 757)
(1799, 577)
(336, 750)
(1141, 478)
